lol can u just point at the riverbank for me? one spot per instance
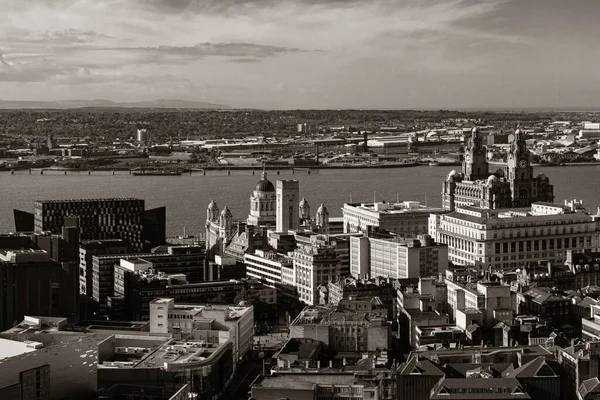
(579, 164)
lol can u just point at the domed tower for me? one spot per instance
(304, 210)
(225, 223)
(212, 213)
(263, 203)
(322, 219)
(449, 189)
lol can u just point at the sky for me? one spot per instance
(317, 54)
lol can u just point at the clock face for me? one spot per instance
(522, 163)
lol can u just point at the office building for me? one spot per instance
(406, 219)
(268, 267)
(315, 386)
(397, 258)
(491, 298)
(352, 288)
(355, 327)
(90, 248)
(513, 186)
(166, 316)
(103, 219)
(30, 284)
(509, 238)
(189, 260)
(287, 206)
(136, 284)
(314, 265)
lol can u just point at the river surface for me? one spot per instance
(186, 197)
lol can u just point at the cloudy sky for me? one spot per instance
(305, 53)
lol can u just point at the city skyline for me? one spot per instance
(303, 53)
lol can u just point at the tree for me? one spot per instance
(250, 296)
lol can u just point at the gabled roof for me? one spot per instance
(536, 368)
(414, 366)
(460, 370)
(490, 388)
(589, 386)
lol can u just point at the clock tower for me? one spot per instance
(520, 172)
(475, 165)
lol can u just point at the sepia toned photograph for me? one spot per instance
(299, 200)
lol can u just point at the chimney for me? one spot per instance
(318, 364)
(330, 363)
(317, 153)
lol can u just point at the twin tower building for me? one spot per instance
(514, 185)
(272, 209)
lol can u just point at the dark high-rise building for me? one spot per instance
(90, 248)
(23, 221)
(30, 284)
(102, 219)
(188, 260)
(136, 287)
(155, 227)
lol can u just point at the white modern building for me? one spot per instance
(267, 266)
(397, 258)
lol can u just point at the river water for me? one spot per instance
(186, 197)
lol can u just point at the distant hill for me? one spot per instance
(101, 103)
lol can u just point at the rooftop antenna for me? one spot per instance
(184, 231)
(374, 197)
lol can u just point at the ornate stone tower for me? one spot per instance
(519, 171)
(212, 213)
(322, 219)
(225, 224)
(304, 210)
(475, 164)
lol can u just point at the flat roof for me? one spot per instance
(88, 200)
(11, 348)
(305, 381)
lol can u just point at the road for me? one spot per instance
(245, 375)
